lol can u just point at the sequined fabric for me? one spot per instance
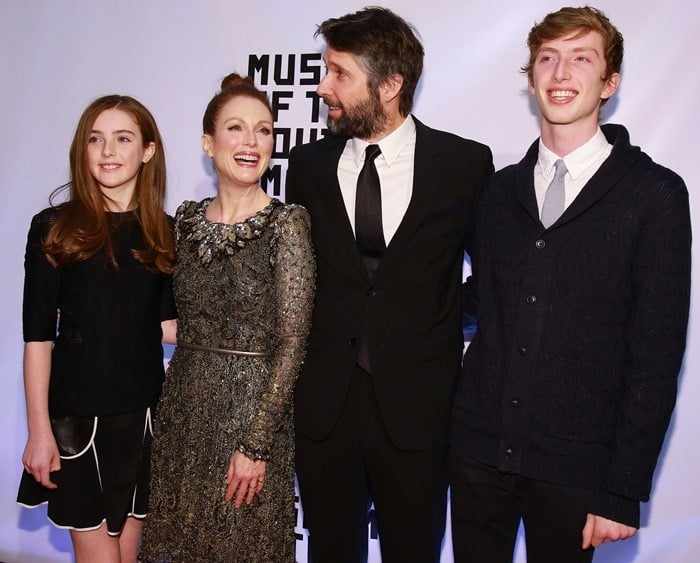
(245, 287)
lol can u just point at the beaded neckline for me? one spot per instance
(220, 237)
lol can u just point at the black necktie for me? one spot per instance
(368, 212)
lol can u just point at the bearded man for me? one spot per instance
(392, 206)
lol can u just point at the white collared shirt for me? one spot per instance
(395, 170)
(581, 165)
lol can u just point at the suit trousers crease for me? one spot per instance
(341, 476)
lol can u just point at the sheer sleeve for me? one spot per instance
(294, 283)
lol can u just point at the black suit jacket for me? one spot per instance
(410, 312)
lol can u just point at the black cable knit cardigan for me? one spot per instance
(572, 375)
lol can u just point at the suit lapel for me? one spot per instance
(425, 173)
(329, 189)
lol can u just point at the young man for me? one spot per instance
(372, 402)
(569, 384)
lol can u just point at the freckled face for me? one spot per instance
(115, 153)
(242, 143)
(567, 80)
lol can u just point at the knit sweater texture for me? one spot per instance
(572, 375)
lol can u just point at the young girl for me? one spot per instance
(97, 302)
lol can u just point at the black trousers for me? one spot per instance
(487, 507)
(340, 476)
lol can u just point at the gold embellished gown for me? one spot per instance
(245, 288)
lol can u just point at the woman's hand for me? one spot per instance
(244, 478)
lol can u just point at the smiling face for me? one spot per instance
(241, 145)
(353, 109)
(567, 81)
(115, 153)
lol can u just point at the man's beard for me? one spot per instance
(362, 120)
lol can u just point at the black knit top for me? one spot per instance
(107, 357)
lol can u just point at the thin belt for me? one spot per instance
(189, 346)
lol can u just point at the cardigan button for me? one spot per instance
(514, 403)
(539, 244)
(508, 453)
(522, 350)
(531, 299)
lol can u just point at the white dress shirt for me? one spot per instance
(581, 165)
(394, 167)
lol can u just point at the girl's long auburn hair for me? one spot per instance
(81, 228)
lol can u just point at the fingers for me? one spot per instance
(232, 486)
(599, 530)
(599, 535)
(252, 489)
(588, 531)
(243, 491)
(231, 481)
(42, 473)
(247, 493)
(244, 479)
(42, 476)
(45, 479)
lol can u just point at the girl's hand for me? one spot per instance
(40, 458)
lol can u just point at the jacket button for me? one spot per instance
(522, 350)
(539, 244)
(514, 403)
(509, 452)
(352, 342)
(531, 299)
(371, 292)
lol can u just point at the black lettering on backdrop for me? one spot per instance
(300, 135)
(315, 105)
(277, 104)
(308, 73)
(291, 77)
(272, 176)
(297, 502)
(304, 79)
(259, 65)
(308, 66)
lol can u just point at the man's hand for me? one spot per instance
(599, 530)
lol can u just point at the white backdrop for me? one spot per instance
(56, 57)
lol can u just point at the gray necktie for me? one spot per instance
(553, 205)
